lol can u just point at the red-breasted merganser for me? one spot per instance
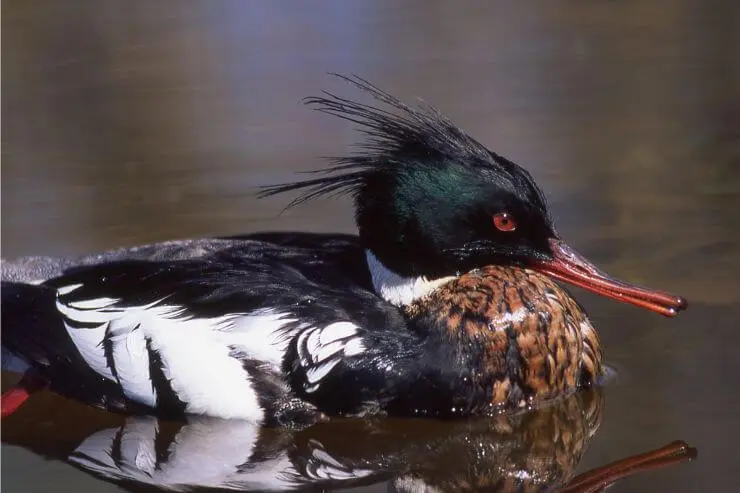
(443, 305)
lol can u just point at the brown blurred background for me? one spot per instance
(127, 122)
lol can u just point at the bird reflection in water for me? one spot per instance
(529, 451)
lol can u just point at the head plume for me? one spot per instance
(397, 137)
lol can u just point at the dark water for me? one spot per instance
(132, 122)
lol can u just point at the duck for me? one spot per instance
(447, 303)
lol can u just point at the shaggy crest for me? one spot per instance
(407, 136)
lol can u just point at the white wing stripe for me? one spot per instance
(89, 343)
(321, 350)
(264, 335)
(68, 289)
(303, 355)
(313, 344)
(327, 351)
(85, 316)
(93, 304)
(315, 374)
(337, 331)
(354, 347)
(132, 364)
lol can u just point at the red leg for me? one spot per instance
(14, 397)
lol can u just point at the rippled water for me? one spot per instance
(126, 123)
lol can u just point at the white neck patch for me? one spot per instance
(398, 290)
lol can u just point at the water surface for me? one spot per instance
(127, 123)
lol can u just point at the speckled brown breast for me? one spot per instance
(530, 339)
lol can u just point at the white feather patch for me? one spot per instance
(89, 343)
(132, 363)
(263, 335)
(94, 304)
(338, 330)
(326, 351)
(398, 290)
(195, 357)
(321, 349)
(505, 319)
(354, 347)
(68, 289)
(194, 354)
(313, 344)
(314, 375)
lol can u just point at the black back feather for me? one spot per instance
(406, 136)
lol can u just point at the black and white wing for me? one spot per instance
(158, 332)
(224, 336)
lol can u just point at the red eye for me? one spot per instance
(504, 222)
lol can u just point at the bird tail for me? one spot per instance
(33, 332)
